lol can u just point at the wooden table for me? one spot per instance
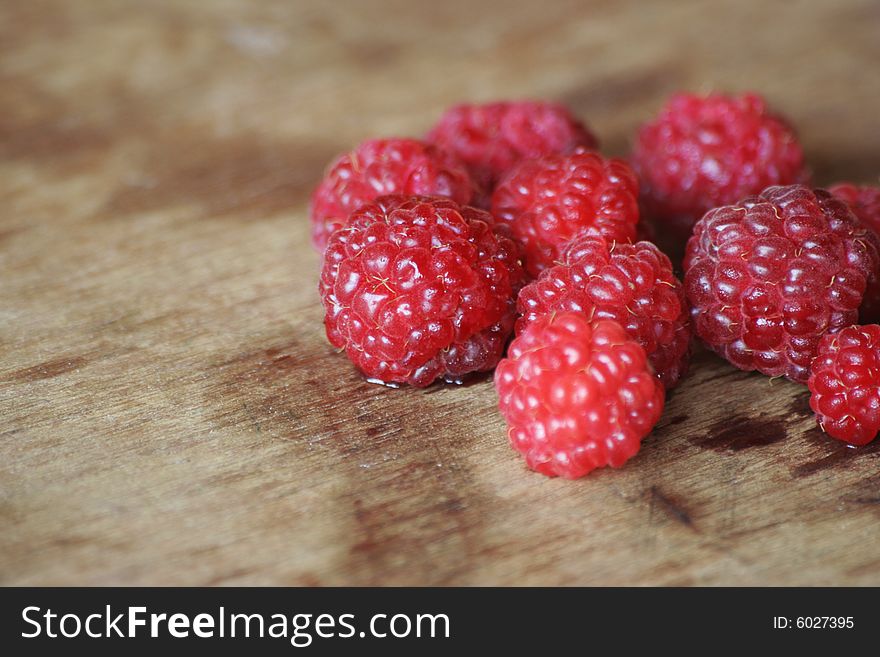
(170, 411)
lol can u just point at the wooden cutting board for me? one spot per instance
(170, 411)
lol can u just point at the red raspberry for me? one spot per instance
(384, 166)
(577, 395)
(418, 288)
(845, 384)
(490, 139)
(702, 152)
(632, 284)
(549, 201)
(864, 202)
(768, 277)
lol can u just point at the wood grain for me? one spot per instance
(170, 412)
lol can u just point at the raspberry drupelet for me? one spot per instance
(379, 167)
(547, 202)
(632, 284)
(577, 395)
(491, 138)
(701, 152)
(845, 384)
(420, 288)
(768, 277)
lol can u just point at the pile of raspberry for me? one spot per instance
(504, 240)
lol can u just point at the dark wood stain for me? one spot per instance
(273, 364)
(741, 433)
(72, 540)
(866, 500)
(730, 373)
(840, 454)
(864, 493)
(671, 507)
(227, 577)
(49, 369)
(393, 528)
(675, 420)
(267, 382)
(367, 541)
(800, 404)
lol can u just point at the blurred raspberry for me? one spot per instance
(705, 151)
(864, 202)
(549, 201)
(491, 138)
(384, 166)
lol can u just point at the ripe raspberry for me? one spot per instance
(632, 284)
(703, 152)
(549, 201)
(864, 201)
(490, 139)
(845, 384)
(417, 288)
(577, 395)
(768, 277)
(384, 166)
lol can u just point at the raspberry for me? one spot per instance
(864, 201)
(490, 139)
(703, 152)
(550, 200)
(632, 284)
(384, 166)
(768, 277)
(418, 288)
(845, 384)
(577, 395)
